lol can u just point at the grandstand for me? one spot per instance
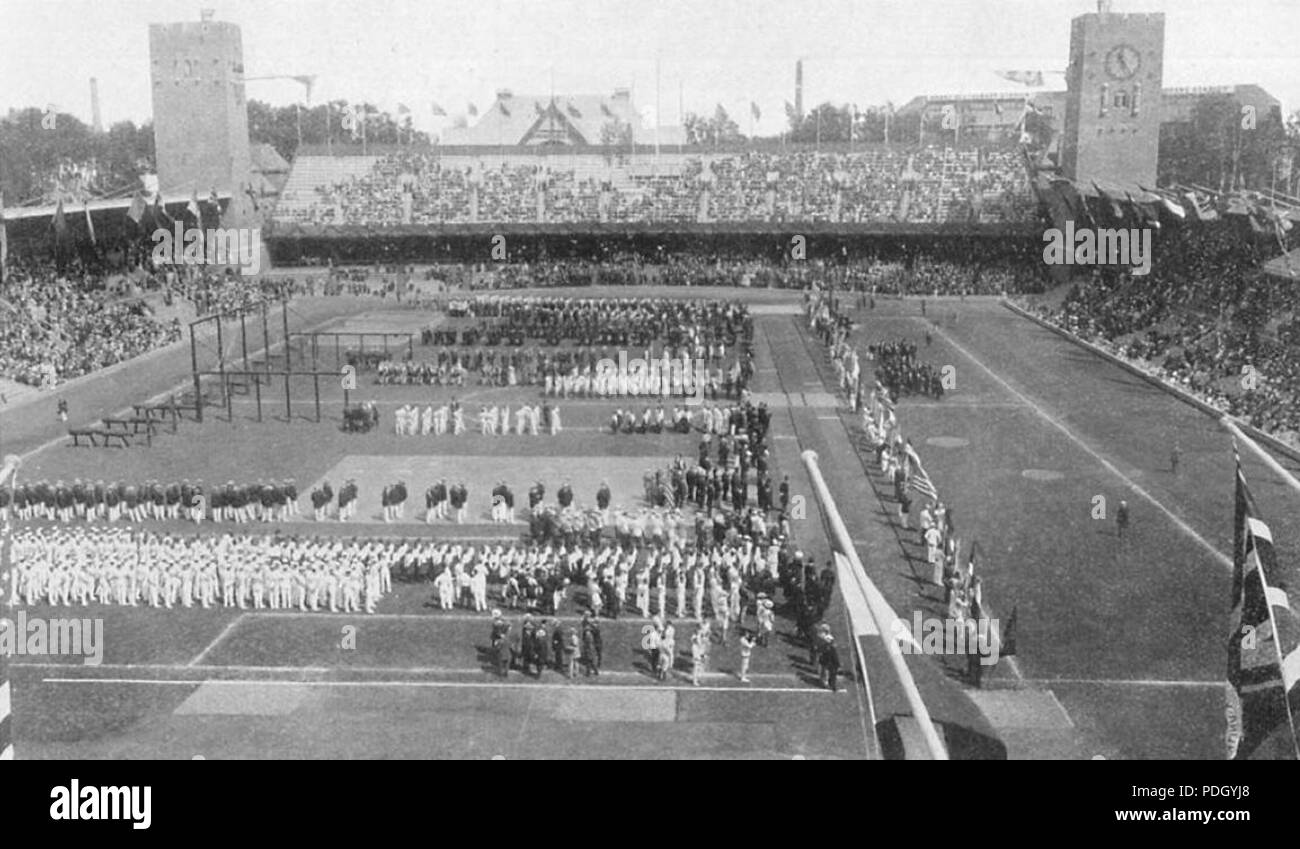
(435, 186)
(1064, 389)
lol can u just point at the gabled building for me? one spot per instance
(559, 120)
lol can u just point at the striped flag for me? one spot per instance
(7, 474)
(1263, 645)
(920, 481)
(6, 720)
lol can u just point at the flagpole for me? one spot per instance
(880, 614)
(658, 121)
(1277, 647)
(1229, 425)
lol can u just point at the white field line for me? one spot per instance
(230, 626)
(1186, 529)
(496, 685)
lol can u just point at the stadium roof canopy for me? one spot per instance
(96, 205)
(267, 159)
(1286, 266)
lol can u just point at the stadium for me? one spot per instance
(873, 478)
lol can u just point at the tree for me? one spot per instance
(1040, 128)
(719, 129)
(34, 147)
(616, 133)
(1224, 146)
(725, 130)
(826, 122)
(278, 125)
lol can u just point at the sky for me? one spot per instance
(694, 54)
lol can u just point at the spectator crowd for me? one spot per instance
(929, 184)
(1208, 320)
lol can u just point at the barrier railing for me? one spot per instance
(879, 611)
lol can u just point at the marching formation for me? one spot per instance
(581, 372)
(691, 324)
(115, 566)
(900, 371)
(264, 501)
(411, 420)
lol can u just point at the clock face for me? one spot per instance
(1123, 61)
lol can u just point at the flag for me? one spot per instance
(472, 110)
(1201, 211)
(1008, 634)
(136, 210)
(1145, 217)
(754, 110)
(58, 222)
(919, 479)
(1033, 79)
(1109, 203)
(160, 216)
(438, 111)
(6, 719)
(504, 110)
(573, 110)
(1264, 642)
(1166, 199)
(9, 472)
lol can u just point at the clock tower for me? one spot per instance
(1113, 104)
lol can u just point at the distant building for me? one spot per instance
(992, 116)
(560, 120)
(1180, 103)
(988, 116)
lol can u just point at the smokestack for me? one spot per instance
(95, 121)
(798, 88)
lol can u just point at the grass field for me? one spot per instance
(1121, 643)
(418, 683)
(1130, 635)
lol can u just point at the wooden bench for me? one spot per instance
(134, 424)
(87, 432)
(95, 434)
(149, 411)
(121, 436)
